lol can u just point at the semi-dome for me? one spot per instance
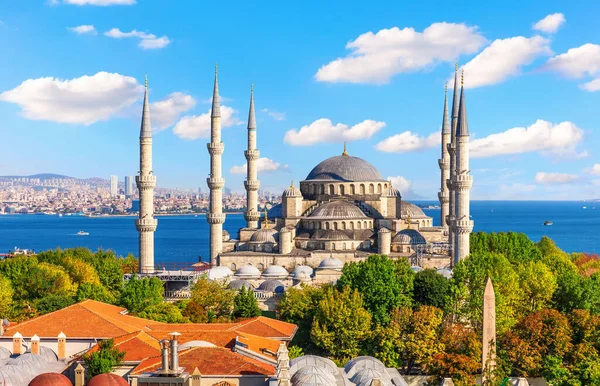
(248, 271)
(408, 209)
(331, 263)
(272, 286)
(409, 236)
(50, 379)
(276, 211)
(107, 379)
(275, 271)
(337, 210)
(330, 234)
(264, 235)
(238, 284)
(391, 192)
(220, 272)
(292, 191)
(303, 268)
(344, 168)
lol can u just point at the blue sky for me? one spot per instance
(324, 73)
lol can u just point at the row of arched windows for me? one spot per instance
(343, 189)
(338, 225)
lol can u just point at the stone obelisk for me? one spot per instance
(488, 358)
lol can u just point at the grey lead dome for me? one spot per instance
(337, 210)
(344, 168)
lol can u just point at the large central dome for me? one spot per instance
(344, 168)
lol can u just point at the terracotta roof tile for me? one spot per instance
(218, 338)
(211, 361)
(268, 328)
(136, 345)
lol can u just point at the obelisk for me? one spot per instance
(488, 358)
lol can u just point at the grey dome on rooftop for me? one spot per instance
(409, 236)
(408, 209)
(337, 210)
(344, 168)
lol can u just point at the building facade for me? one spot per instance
(114, 185)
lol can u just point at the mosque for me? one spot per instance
(343, 211)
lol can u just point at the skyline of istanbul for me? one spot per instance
(299, 194)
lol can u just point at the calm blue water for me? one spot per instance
(185, 238)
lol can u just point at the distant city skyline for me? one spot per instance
(373, 77)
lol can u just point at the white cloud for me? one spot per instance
(97, 2)
(502, 59)
(593, 85)
(595, 170)
(555, 178)
(83, 29)
(404, 185)
(323, 130)
(85, 100)
(408, 141)
(263, 165)
(551, 23)
(148, 41)
(198, 126)
(275, 115)
(560, 139)
(375, 58)
(577, 63)
(164, 113)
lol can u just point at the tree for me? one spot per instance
(245, 304)
(94, 292)
(295, 352)
(538, 283)
(163, 312)
(421, 341)
(46, 279)
(461, 357)
(52, 303)
(214, 298)
(341, 324)
(139, 294)
(104, 359)
(548, 247)
(431, 289)
(516, 247)
(384, 284)
(195, 313)
(108, 267)
(298, 306)
(6, 297)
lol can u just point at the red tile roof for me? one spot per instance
(211, 361)
(136, 345)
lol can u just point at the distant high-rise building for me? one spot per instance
(128, 186)
(114, 185)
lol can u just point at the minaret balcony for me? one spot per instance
(451, 148)
(252, 185)
(145, 182)
(444, 164)
(252, 215)
(449, 184)
(147, 224)
(463, 226)
(450, 220)
(215, 148)
(252, 155)
(215, 218)
(215, 183)
(444, 197)
(462, 182)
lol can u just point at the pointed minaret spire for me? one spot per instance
(444, 163)
(216, 182)
(452, 150)
(146, 181)
(455, 100)
(252, 183)
(462, 125)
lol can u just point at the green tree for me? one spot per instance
(94, 292)
(548, 247)
(245, 304)
(384, 284)
(214, 299)
(6, 297)
(538, 284)
(139, 294)
(163, 312)
(298, 306)
(341, 324)
(53, 303)
(516, 247)
(108, 267)
(16, 269)
(295, 352)
(431, 289)
(46, 279)
(104, 359)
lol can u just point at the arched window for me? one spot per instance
(371, 189)
(379, 188)
(385, 186)
(311, 189)
(326, 225)
(362, 188)
(233, 267)
(358, 224)
(343, 225)
(351, 226)
(366, 225)
(331, 189)
(343, 246)
(352, 190)
(335, 225)
(333, 247)
(342, 190)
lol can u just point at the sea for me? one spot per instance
(184, 239)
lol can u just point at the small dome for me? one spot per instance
(50, 379)
(331, 263)
(275, 271)
(107, 380)
(47, 354)
(272, 286)
(391, 192)
(226, 235)
(445, 272)
(303, 268)
(276, 211)
(292, 191)
(330, 234)
(408, 209)
(337, 210)
(13, 375)
(220, 272)
(358, 364)
(312, 375)
(416, 269)
(238, 284)
(248, 272)
(409, 236)
(344, 168)
(264, 235)
(302, 276)
(365, 377)
(4, 353)
(195, 343)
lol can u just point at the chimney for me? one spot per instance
(164, 351)
(17, 343)
(35, 344)
(174, 354)
(62, 346)
(79, 375)
(196, 377)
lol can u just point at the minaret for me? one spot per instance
(252, 183)
(216, 182)
(146, 181)
(444, 163)
(451, 152)
(462, 183)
